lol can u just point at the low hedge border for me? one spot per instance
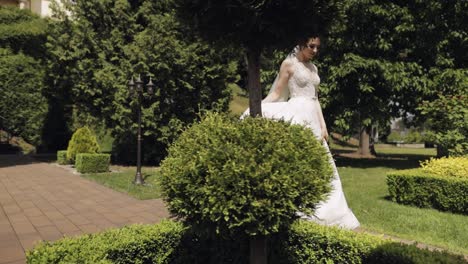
(91, 163)
(62, 157)
(171, 242)
(415, 187)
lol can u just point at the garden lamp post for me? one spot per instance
(136, 89)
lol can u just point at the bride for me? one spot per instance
(293, 97)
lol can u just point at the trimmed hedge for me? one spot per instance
(416, 187)
(447, 167)
(89, 163)
(62, 157)
(171, 242)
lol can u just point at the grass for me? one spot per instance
(122, 181)
(239, 102)
(364, 183)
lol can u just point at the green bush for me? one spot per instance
(171, 242)
(90, 163)
(413, 137)
(448, 167)
(447, 116)
(394, 137)
(132, 244)
(416, 187)
(62, 157)
(82, 141)
(248, 176)
(21, 96)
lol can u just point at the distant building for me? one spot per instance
(40, 7)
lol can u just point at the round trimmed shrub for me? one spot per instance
(251, 176)
(82, 141)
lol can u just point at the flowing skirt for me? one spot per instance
(302, 110)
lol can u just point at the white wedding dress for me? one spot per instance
(303, 108)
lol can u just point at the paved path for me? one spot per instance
(41, 201)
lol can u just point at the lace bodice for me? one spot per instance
(304, 81)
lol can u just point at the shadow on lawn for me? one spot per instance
(394, 161)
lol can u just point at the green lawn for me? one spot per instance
(366, 192)
(122, 182)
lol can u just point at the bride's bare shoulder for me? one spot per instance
(287, 65)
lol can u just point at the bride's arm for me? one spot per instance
(323, 125)
(283, 78)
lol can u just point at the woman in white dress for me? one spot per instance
(293, 97)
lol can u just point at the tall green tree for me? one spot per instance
(441, 41)
(383, 58)
(100, 44)
(255, 26)
(22, 104)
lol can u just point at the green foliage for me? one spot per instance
(255, 26)
(21, 101)
(413, 136)
(62, 157)
(308, 242)
(82, 141)
(416, 187)
(92, 163)
(383, 58)
(447, 167)
(93, 56)
(131, 244)
(250, 176)
(22, 31)
(171, 242)
(448, 120)
(257, 23)
(22, 104)
(394, 137)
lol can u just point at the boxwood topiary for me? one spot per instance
(249, 176)
(62, 157)
(82, 141)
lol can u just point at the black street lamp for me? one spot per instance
(136, 89)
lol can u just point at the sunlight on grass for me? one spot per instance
(385, 149)
(239, 101)
(123, 182)
(367, 195)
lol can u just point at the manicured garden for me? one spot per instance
(367, 195)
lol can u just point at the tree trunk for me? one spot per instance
(441, 152)
(364, 149)
(253, 84)
(373, 135)
(258, 250)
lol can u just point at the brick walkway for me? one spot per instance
(41, 201)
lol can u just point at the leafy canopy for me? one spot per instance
(107, 42)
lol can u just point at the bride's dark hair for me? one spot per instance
(302, 42)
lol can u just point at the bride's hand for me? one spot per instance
(325, 134)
